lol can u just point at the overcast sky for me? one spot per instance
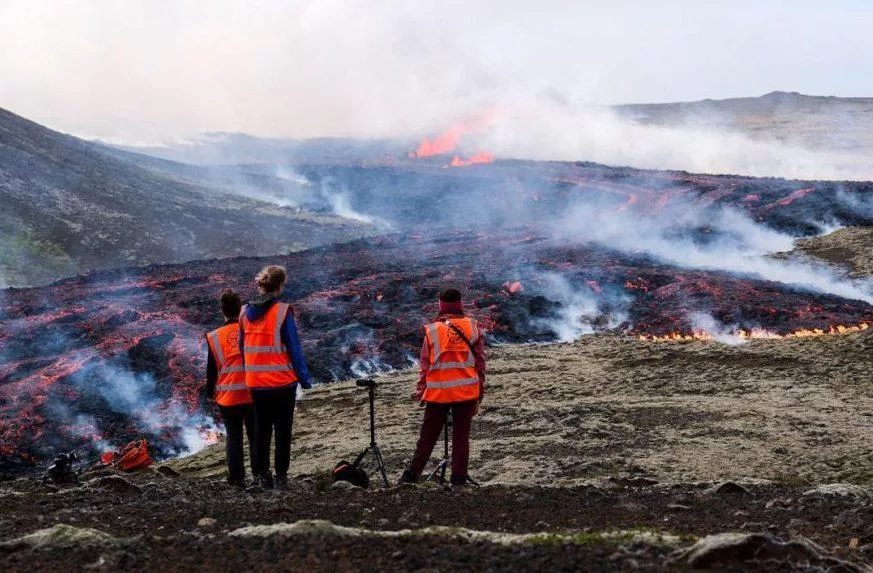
(159, 69)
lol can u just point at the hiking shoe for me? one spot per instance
(408, 476)
(266, 481)
(282, 483)
(459, 481)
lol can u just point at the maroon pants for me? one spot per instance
(431, 431)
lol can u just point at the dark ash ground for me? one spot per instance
(160, 522)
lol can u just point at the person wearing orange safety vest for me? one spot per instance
(452, 378)
(274, 366)
(226, 383)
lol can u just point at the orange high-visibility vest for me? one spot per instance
(451, 375)
(230, 389)
(267, 363)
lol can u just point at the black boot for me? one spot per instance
(408, 476)
(458, 480)
(240, 483)
(282, 483)
(266, 480)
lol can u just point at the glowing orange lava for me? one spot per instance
(758, 334)
(479, 158)
(448, 141)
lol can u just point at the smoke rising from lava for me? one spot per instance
(545, 130)
(388, 69)
(687, 235)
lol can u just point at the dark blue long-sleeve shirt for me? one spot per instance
(290, 337)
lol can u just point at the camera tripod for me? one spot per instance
(439, 472)
(373, 448)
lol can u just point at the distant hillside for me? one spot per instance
(70, 206)
(235, 148)
(822, 122)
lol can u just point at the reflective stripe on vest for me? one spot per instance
(451, 375)
(230, 388)
(267, 364)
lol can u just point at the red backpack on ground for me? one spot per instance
(133, 456)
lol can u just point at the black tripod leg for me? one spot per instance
(377, 454)
(445, 463)
(361, 456)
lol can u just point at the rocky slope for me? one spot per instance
(70, 206)
(851, 247)
(831, 123)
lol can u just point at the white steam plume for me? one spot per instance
(738, 245)
(580, 309)
(544, 130)
(340, 205)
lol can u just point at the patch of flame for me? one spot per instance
(448, 141)
(210, 436)
(479, 158)
(759, 333)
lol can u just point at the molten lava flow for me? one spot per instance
(449, 140)
(102, 359)
(759, 333)
(479, 158)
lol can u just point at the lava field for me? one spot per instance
(106, 357)
(98, 359)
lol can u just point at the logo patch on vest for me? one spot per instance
(454, 337)
(232, 338)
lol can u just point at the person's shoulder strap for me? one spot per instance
(459, 332)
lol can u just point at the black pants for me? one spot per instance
(275, 410)
(235, 417)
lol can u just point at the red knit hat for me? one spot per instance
(450, 302)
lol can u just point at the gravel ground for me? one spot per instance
(151, 521)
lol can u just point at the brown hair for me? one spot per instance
(271, 278)
(231, 303)
(450, 295)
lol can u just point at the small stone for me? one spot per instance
(167, 471)
(637, 481)
(727, 488)
(779, 503)
(678, 507)
(206, 522)
(343, 485)
(115, 484)
(839, 490)
(724, 548)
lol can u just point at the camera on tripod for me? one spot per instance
(352, 472)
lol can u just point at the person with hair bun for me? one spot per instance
(226, 383)
(274, 365)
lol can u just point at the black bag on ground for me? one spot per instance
(346, 471)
